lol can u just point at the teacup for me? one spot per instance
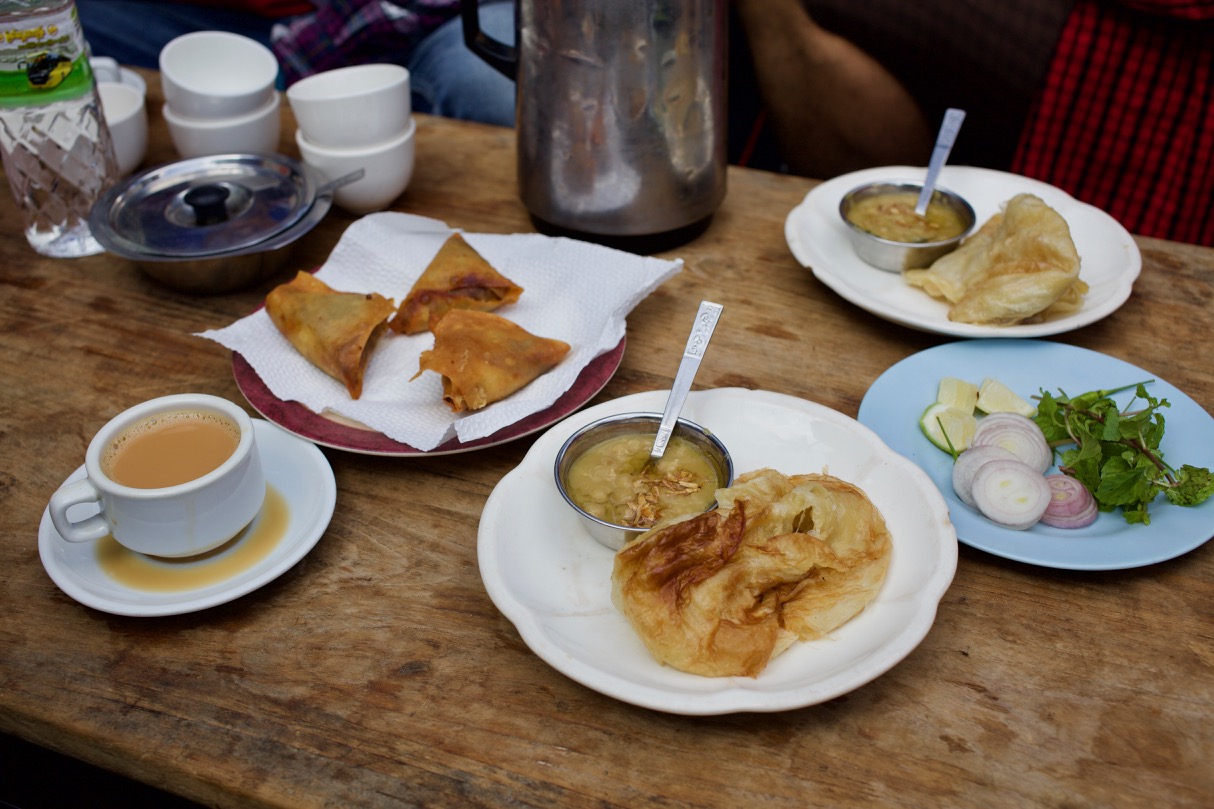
(127, 119)
(216, 74)
(254, 133)
(388, 167)
(106, 69)
(352, 107)
(173, 477)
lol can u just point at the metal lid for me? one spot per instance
(205, 206)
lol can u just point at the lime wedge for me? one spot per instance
(958, 393)
(996, 397)
(947, 427)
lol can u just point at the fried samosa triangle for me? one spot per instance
(457, 277)
(335, 331)
(484, 357)
(781, 559)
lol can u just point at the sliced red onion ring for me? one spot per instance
(1018, 435)
(967, 464)
(1071, 504)
(1011, 493)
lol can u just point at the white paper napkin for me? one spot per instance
(573, 291)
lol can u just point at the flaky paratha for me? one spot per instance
(780, 559)
(1019, 267)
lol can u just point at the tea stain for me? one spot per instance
(242, 552)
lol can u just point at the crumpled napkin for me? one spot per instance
(573, 291)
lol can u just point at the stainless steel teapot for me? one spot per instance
(620, 113)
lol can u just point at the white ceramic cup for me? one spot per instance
(254, 133)
(106, 69)
(388, 167)
(216, 74)
(174, 521)
(353, 107)
(127, 119)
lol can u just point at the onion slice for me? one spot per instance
(1071, 504)
(967, 464)
(1018, 435)
(1011, 493)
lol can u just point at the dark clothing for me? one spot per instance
(986, 58)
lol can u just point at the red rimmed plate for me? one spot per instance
(345, 435)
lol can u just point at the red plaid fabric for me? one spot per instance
(1125, 119)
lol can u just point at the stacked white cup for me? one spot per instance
(358, 117)
(219, 94)
(122, 92)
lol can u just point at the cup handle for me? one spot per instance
(89, 529)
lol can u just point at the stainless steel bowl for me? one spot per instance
(213, 224)
(896, 256)
(215, 275)
(612, 535)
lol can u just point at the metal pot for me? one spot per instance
(213, 224)
(620, 112)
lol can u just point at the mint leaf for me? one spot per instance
(1123, 482)
(1115, 451)
(1195, 485)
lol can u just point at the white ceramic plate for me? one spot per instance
(293, 467)
(553, 581)
(895, 401)
(1109, 258)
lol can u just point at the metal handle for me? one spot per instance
(697, 344)
(500, 56)
(944, 144)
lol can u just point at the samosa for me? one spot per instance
(335, 331)
(457, 277)
(484, 357)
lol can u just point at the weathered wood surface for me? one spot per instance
(378, 672)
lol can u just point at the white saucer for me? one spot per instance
(294, 468)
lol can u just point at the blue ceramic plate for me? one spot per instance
(893, 404)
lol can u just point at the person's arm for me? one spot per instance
(833, 108)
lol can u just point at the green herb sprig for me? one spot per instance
(1115, 452)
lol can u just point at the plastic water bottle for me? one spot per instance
(53, 138)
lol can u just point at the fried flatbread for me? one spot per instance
(780, 559)
(484, 357)
(1021, 266)
(335, 331)
(457, 277)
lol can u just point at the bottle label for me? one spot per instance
(43, 59)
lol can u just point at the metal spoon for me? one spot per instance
(944, 144)
(697, 343)
(338, 182)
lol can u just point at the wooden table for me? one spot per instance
(378, 672)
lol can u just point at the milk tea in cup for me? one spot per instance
(170, 449)
(176, 476)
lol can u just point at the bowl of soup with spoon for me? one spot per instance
(887, 233)
(605, 473)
